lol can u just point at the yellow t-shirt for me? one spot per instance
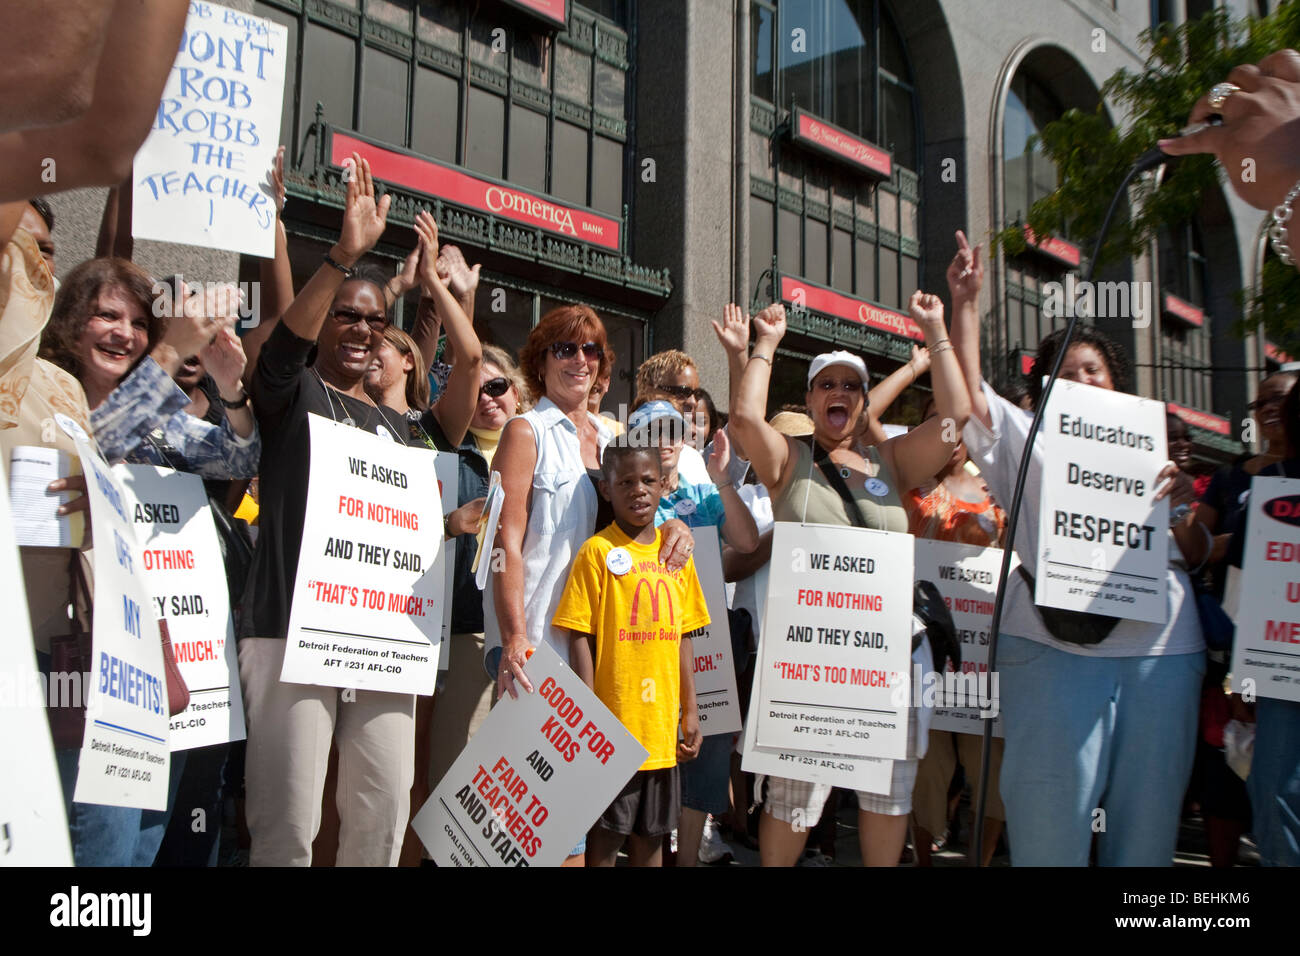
(638, 618)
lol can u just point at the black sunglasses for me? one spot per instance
(495, 387)
(377, 323)
(678, 391)
(567, 350)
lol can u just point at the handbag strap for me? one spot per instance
(823, 461)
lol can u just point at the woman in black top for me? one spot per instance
(340, 315)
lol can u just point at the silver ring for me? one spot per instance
(1219, 94)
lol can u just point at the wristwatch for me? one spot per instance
(242, 403)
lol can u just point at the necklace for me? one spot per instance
(348, 419)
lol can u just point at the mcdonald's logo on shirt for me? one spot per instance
(653, 592)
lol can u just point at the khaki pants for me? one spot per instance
(930, 799)
(462, 705)
(290, 727)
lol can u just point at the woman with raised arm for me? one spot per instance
(877, 474)
(340, 316)
(1109, 726)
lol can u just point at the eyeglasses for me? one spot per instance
(377, 323)
(567, 350)
(495, 387)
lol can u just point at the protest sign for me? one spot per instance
(1266, 650)
(367, 599)
(125, 755)
(187, 580)
(201, 176)
(716, 699)
(967, 578)
(838, 770)
(33, 828)
(539, 772)
(1103, 544)
(833, 665)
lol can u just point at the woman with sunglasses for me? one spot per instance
(465, 695)
(339, 316)
(877, 476)
(549, 460)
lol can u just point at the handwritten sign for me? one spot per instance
(539, 772)
(200, 174)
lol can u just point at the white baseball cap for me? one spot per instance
(839, 357)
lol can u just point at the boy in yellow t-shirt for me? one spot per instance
(630, 616)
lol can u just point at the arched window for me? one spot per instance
(1027, 175)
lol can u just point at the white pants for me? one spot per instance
(290, 727)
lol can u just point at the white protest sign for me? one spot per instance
(838, 770)
(837, 640)
(1103, 543)
(187, 579)
(1266, 649)
(487, 533)
(367, 599)
(967, 577)
(125, 755)
(716, 698)
(447, 467)
(200, 174)
(539, 772)
(33, 828)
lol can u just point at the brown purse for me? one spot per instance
(178, 694)
(65, 701)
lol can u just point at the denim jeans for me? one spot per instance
(101, 835)
(153, 823)
(1274, 782)
(1095, 745)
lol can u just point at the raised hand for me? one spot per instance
(274, 183)
(224, 360)
(769, 325)
(461, 279)
(409, 277)
(720, 459)
(966, 271)
(364, 219)
(920, 361)
(426, 230)
(201, 318)
(926, 309)
(733, 333)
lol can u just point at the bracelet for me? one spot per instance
(1277, 226)
(446, 532)
(759, 355)
(331, 261)
(943, 346)
(242, 403)
(727, 484)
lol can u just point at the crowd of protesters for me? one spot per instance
(1133, 724)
